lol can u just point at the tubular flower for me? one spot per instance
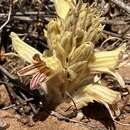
(72, 60)
(39, 68)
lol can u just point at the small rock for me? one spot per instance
(3, 124)
(4, 96)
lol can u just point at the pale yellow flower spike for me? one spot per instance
(73, 57)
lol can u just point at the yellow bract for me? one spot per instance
(95, 92)
(24, 50)
(63, 6)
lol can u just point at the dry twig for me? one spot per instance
(6, 22)
(122, 5)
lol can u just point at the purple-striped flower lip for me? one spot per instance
(38, 70)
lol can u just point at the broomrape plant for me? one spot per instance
(72, 60)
